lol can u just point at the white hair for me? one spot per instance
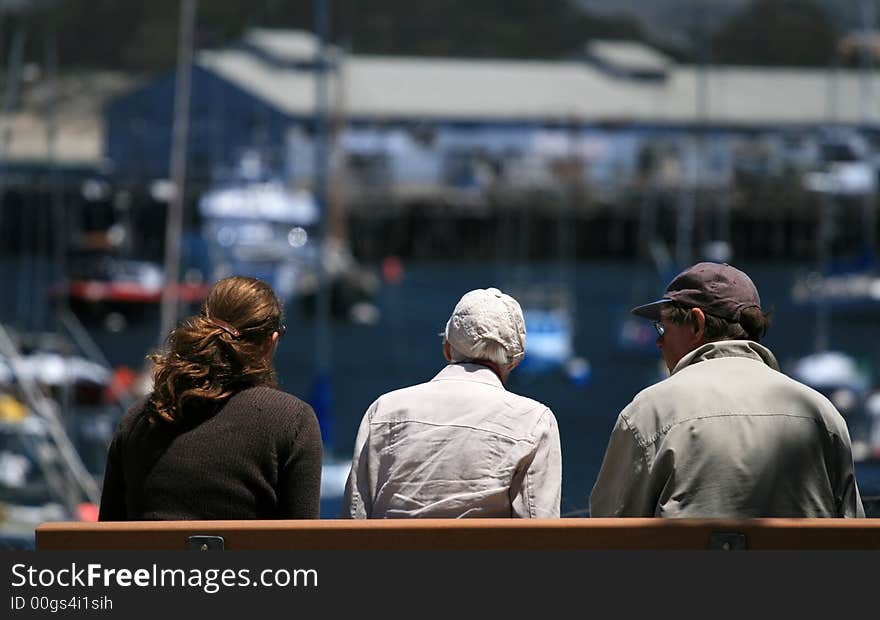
(483, 351)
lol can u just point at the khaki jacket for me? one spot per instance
(728, 435)
(459, 445)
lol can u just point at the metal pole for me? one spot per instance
(10, 94)
(58, 270)
(10, 91)
(869, 201)
(180, 129)
(702, 112)
(823, 242)
(322, 390)
(59, 236)
(866, 67)
(684, 229)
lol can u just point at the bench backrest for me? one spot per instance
(548, 534)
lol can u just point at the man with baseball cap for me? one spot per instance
(726, 434)
(460, 445)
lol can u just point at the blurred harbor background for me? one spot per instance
(374, 163)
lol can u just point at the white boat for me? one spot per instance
(853, 291)
(848, 386)
(549, 322)
(261, 229)
(847, 174)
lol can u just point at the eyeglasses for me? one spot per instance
(659, 327)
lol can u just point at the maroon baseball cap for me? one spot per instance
(716, 288)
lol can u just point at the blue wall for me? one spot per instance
(224, 120)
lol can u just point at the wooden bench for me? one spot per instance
(464, 534)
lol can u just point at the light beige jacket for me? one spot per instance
(459, 445)
(728, 435)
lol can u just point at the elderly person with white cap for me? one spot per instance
(726, 434)
(461, 445)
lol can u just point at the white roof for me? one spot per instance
(291, 45)
(463, 89)
(629, 56)
(392, 87)
(289, 90)
(389, 87)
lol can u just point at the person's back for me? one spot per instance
(726, 434)
(215, 438)
(729, 436)
(460, 445)
(252, 459)
(457, 446)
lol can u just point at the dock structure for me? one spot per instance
(439, 156)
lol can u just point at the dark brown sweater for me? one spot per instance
(258, 457)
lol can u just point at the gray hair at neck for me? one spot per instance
(483, 351)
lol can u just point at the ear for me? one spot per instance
(270, 344)
(698, 324)
(446, 352)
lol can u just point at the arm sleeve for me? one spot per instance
(849, 502)
(538, 494)
(621, 490)
(357, 503)
(299, 495)
(113, 490)
(851, 505)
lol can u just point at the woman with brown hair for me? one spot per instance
(216, 438)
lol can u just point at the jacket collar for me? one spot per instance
(728, 348)
(466, 371)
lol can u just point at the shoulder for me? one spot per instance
(395, 398)
(273, 413)
(136, 412)
(527, 405)
(442, 389)
(814, 400)
(651, 408)
(270, 400)
(659, 392)
(133, 424)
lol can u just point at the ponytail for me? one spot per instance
(209, 359)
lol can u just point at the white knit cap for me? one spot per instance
(487, 314)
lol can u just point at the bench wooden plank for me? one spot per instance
(462, 534)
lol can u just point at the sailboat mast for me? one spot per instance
(823, 245)
(688, 205)
(869, 201)
(10, 95)
(180, 128)
(58, 214)
(322, 162)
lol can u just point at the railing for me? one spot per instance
(465, 534)
(41, 407)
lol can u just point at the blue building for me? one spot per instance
(421, 127)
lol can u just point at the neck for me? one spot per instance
(502, 376)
